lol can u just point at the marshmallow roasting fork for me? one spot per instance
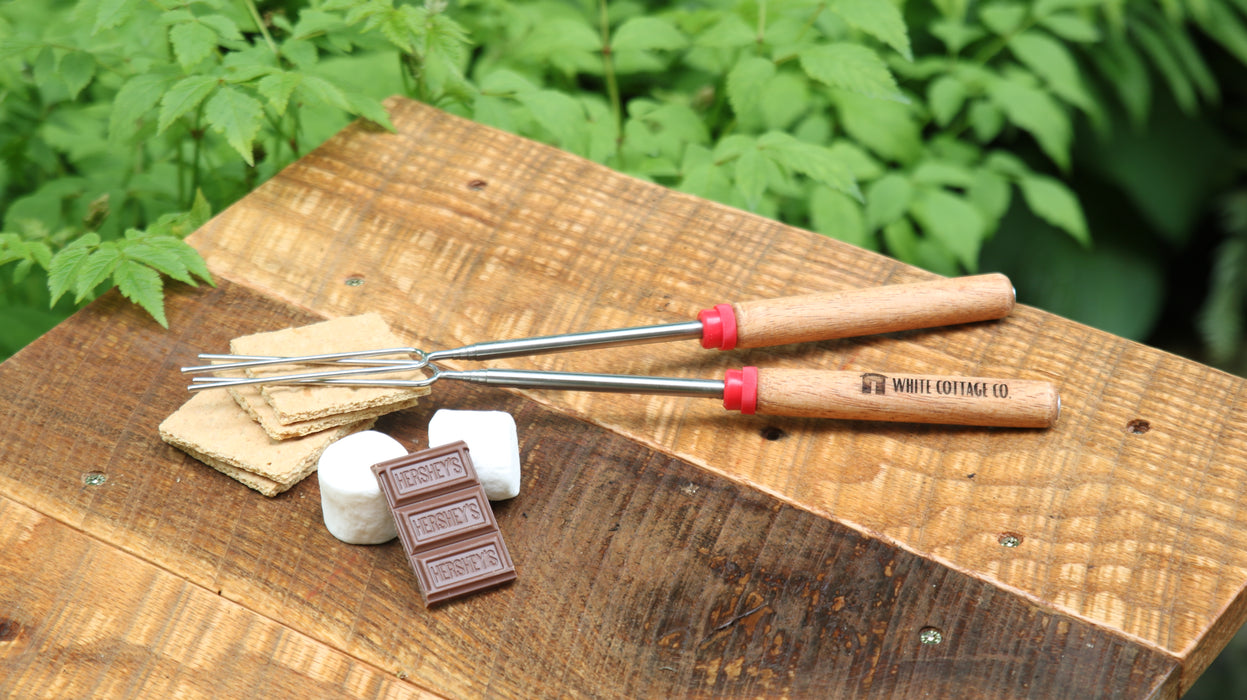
(852, 395)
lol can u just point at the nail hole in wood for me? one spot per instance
(1138, 426)
(9, 630)
(477, 185)
(772, 433)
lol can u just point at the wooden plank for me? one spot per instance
(79, 618)
(460, 234)
(640, 575)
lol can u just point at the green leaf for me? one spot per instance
(192, 43)
(64, 266)
(301, 52)
(730, 32)
(745, 82)
(1049, 59)
(1168, 65)
(187, 94)
(112, 13)
(956, 34)
(1055, 203)
(883, 126)
(816, 162)
(97, 267)
(225, 27)
(851, 67)
(990, 194)
(986, 119)
(1118, 61)
(944, 173)
(317, 90)
(878, 18)
(159, 258)
(133, 101)
(946, 95)
(313, 22)
(646, 33)
(1003, 17)
(1071, 27)
(277, 88)
(837, 215)
(187, 256)
(200, 212)
(751, 177)
(559, 114)
(143, 286)
(1035, 111)
(559, 35)
(951, 220)
(77, 69)
(887, 200)
(237, 116)
(370, 109)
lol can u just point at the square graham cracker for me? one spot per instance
(293, 404)
(214, 429)
(248, 396)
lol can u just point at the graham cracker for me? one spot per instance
(294, 404)
(249, 397)
(214, 429)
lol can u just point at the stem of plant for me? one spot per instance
(198, 135)
(259, 22)
(608, 72)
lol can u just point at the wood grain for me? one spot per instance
(873, 310)
(80, 619)
(913, 398)
(1141, 533)
(640, 575)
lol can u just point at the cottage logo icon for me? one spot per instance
(874, 383)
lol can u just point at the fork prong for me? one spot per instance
(260, 361)
(302, 377)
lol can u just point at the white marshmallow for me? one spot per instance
(351, 501)
(492, 442)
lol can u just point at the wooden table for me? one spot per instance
(664, 547)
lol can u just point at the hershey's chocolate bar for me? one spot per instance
(440, 519)
(463, 567)
(426, 473)
(445, 522)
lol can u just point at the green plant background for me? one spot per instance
(1091, 149)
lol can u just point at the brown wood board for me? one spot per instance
(1128, 512)
(641, 575)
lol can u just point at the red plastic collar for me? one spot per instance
(740, 390)
(718, 327)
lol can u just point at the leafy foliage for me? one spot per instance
(913, 128)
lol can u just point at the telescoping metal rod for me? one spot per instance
(522, 347)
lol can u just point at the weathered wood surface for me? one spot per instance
(640, 575)
(752, 555)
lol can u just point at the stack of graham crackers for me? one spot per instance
(270, 437)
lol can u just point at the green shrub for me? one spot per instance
(921, 129)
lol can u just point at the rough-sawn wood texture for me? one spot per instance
(752, 555)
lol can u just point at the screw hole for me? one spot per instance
(94, 478)
(772, 433)
(1138, 426)
(1010, 540)
(354, 281)
(477, 185)
(930, 635)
